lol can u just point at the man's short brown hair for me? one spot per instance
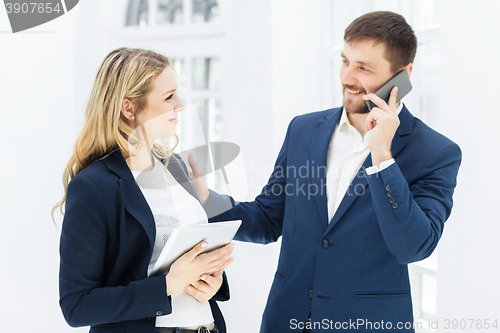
(388, 28)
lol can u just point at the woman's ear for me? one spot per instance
(127, 109)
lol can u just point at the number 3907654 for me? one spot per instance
(26, 8)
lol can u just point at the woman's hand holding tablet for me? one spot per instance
(208, 285)
(191, 267)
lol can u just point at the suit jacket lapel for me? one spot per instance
(356, 188)
(319, 147)
(405, 127)
(359, 183)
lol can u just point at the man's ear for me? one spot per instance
(409, 68)
(127, 109)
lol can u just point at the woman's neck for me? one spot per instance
(143, 161)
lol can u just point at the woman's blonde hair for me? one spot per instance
(124, 73)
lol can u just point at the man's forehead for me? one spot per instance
(366, 51)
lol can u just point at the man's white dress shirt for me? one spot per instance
(346, 154)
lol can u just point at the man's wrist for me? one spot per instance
(384, 165)
(379, 157)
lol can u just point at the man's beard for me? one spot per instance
(350, 107)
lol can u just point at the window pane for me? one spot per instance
(180, 70)
(214, 14)
(215, 135)
(207, 73)
(210, 114)
(429, 65)
(199, 74)
(191, 131)
(202, 109)
(205, 11)
(170, 12)
(137, 13)
(215, 119)
(215, 74)
(143, 18)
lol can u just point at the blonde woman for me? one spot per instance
(121, 204)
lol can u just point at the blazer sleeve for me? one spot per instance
(84, 298)
(223, 293)
(412, 216)
(262, 219)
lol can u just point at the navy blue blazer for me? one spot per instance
(353, 267)
(106, 245)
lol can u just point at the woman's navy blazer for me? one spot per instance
(107, 241)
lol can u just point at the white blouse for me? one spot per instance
(172, 206)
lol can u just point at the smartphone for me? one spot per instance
(400, 80)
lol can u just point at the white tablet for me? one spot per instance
(183, 238)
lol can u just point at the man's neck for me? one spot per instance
(357, 120)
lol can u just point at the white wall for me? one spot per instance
(38, 123)
(469, 267)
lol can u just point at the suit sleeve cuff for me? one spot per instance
(223, 292)
(374, 169)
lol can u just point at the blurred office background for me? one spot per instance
(249, 67)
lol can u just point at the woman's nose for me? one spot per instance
(180, 106)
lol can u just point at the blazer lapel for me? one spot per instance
(360, 182)
(319, 147)
(405, 127)
(134, 200)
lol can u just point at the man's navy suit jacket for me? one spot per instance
(107, 240)
(353, 267)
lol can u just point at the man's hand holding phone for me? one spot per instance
(384, 121)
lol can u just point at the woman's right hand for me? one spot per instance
(191, 266)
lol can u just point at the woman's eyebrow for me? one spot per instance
(168, 92)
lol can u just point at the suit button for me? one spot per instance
(392, 199)
(395, 205)
(310, 294)
(387, 188)
(325, 243)
(389, 194)
(159, 313)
